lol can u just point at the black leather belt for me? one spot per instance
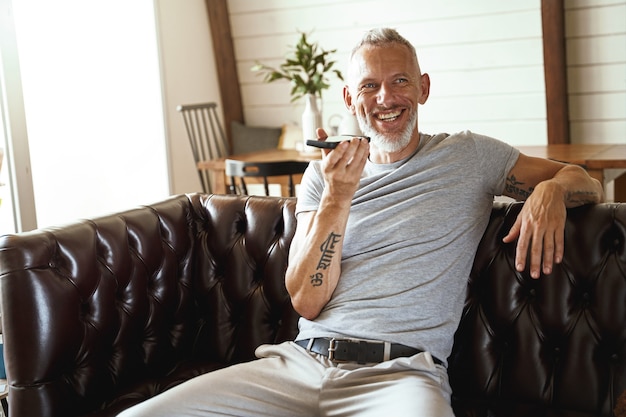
(359, 351)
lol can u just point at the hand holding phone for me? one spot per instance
(331, 142)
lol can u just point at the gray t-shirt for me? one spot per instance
(410, 242)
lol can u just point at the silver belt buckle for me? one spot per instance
(331, 349)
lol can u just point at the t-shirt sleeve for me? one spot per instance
(495, 161)
(311, 188)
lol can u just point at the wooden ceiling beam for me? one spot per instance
(555, 70)
(230, 93)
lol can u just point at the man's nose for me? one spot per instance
(384, 93)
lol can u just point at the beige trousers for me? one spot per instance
(288, 381)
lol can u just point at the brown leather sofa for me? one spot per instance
(104, 313)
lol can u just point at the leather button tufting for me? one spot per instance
(241, 225)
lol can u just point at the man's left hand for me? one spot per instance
(539, 230)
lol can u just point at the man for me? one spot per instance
(378, 266)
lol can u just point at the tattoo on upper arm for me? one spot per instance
(513, 186)
(327, 248)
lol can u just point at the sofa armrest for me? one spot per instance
(93, 306)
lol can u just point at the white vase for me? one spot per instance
(311, 120)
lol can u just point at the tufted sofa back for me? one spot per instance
(240, 263)
(550, 347)
(101, 314)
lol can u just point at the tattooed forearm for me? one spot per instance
(317, 279)
(573, 198)
(517, 188)
(327, 248)
(581, 197)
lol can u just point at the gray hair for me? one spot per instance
(383, 37)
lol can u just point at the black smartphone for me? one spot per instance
(331, 142)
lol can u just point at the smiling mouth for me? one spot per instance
(387, 117)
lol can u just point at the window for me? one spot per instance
(93, 106)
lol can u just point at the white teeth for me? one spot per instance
(388, 116)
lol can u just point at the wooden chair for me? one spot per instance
(205, 135)
(237, 171)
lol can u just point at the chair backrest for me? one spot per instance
(206, 136)
(239, 170)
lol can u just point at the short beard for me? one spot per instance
(389, 143)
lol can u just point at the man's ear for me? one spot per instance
(347, 100)
(425, 87)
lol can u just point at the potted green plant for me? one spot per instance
(307, 68)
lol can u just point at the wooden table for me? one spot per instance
(596, 159)
(219, 182)
(603, 162)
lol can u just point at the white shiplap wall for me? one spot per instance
(484, 57)
(596, 59)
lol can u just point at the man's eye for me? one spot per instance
(401, 80)
(369, 85)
